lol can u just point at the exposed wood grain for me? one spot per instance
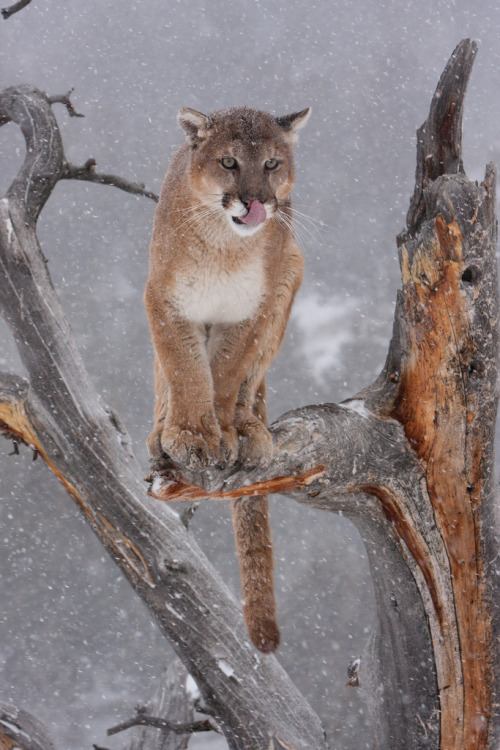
(168, 488)
(440, 383)
(437, 405)
(416, 546)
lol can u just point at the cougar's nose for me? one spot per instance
(248, 199)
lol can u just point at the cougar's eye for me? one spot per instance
(228, 162)
(271, 164)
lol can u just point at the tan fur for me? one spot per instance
(218, 297)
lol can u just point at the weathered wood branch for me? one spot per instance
(15, 8)
(88, 174)
(66, 100)
(443, 365)
(19, 729)
(439, 139)
(143, 719)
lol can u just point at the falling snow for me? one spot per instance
(78, 648)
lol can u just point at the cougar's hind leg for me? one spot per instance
(161, 403)
(255, 555)
(256, 446)
(259, 404)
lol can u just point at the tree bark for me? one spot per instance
(19, 729)
(409, 460)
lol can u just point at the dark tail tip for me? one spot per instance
(263, 631)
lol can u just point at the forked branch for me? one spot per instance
(66, 100)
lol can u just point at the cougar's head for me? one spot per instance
(241, 162)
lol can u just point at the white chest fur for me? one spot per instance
(209, 295)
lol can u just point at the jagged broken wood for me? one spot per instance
(409, 460)
(165, 486)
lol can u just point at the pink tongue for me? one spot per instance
(256, 215)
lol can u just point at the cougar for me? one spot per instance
(224, 268)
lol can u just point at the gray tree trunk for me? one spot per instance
(409, 460)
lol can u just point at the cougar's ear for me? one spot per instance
(291, 124)
(195, 124)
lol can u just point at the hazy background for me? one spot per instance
(77, 648)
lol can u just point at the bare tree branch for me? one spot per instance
(88, 173)
(8, 12)
(142, 719)
(65, 99)
(45, 163)
(174, 699)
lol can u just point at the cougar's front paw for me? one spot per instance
(195, 446)
(256, 445)
(228, 446)
(153, 442)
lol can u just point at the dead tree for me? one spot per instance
(409, 460)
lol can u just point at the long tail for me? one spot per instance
(255, 555)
